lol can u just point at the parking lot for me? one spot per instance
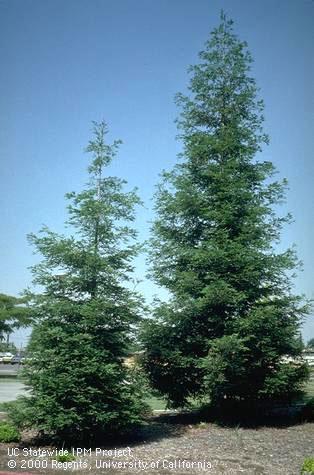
(7, 369)
(10, 386)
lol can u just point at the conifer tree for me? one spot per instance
(232, 317)
(79, 385)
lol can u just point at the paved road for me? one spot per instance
(10, 387)
(8, 369)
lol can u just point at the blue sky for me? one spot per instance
(67, 63)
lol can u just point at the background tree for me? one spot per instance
(79, 386)
(232, 315)
(14, 314)
(310, 344)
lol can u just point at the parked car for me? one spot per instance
(7, 357)
(17, 359)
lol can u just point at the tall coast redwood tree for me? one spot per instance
(79, 386)
(232, 316)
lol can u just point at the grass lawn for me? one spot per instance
(155, 403)
(310, 386)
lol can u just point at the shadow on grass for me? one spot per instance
(231, 414)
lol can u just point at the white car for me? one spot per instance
(7, 357)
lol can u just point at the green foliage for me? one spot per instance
(65, 457)
(8, 347)
(308, 466)
(9, 433)
(310, 384)
(7, 406)
(79, 386)
(232, 318)
(202, 425)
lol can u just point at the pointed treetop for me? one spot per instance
(102, 153)
(224, 19)
(223, 104)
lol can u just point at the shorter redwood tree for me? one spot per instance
(79, 386)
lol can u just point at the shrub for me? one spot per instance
(308, 466)
(9, 433)
(66, 457)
